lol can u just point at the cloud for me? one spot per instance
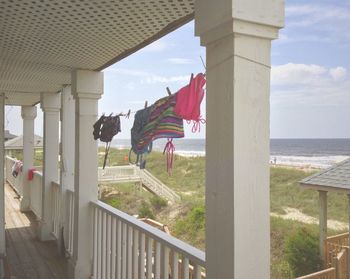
(306, 15)
(319, 22)
(180, 61)
(290, 74)
(309, 84)
(338, 73)
(156, 46)
(148, 77)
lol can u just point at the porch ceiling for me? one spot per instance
(41, 41)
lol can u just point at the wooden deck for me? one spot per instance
(28, 257)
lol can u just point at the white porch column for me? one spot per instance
(2, 180)
(87, 88)
(323, 222)
(237, 35)
(28, 115)
(50, 104)
(67, 154)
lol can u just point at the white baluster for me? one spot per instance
(149, 258)
(135, 254)
(142, 256)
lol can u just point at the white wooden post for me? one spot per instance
(67, 156)
(237, 35)
(323, 222)
(50, 104)
(28, 115)
(2, 180)
(87, 88)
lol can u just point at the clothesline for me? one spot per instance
(127, 115)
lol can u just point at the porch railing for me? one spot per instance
(36, 194)
(55, 208)
(70, 222)
(324, 274)
(15, 182)
(124, 245)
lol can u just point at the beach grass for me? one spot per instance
(285, 191)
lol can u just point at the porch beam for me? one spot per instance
(2, 179)
(28, 114)
(87, 88)
(237, 35)
(323, 222)
(50, 104)
(67, 151)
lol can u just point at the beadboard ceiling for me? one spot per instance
(41, 41)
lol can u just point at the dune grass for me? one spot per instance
(286, 192)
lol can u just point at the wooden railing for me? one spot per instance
(55, 208)
(133, 173)
(157, 186)
(342, 264)
(337, 259)
(124, 245)
(334, 244)
(118, 174)
(15, 182)
(36, 194)
(70, 222)
(324, 274)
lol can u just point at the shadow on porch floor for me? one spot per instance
(28, 257)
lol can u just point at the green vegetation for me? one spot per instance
(145, 211)
(191, 228)
(158, 203)
(302, 252)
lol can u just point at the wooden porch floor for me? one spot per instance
(28, 257)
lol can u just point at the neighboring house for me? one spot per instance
(8, 135)
(16, 143)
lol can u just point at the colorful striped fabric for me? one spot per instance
(162, 123)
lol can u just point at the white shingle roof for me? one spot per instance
(17, 143)
(334, 178)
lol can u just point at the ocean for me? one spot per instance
(318, 153)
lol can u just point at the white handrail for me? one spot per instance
(126, 245)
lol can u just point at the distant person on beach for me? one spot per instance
(274, 161)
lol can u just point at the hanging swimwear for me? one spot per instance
(188, 101)
(154, 122)
(140, 121)
(16, 168)
(105, 128)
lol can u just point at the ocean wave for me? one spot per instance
(307, 161)
(190, 153)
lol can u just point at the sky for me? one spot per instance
(310, 78)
